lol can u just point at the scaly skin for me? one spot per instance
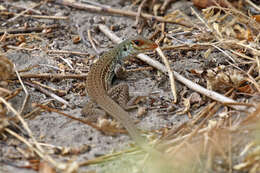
(100, 77)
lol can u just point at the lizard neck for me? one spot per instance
(118, 58)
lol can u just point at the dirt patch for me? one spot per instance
(39, 53)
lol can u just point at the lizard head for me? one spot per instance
(134, 46)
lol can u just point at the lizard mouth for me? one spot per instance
(152, 46)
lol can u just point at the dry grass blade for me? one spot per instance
(170, 73)
(25, 90)
(35, 146)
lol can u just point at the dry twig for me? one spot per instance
(22, 13)
(170, 73)
(137, 20)
(58, 98)
(53, 76)
(82, 121)
(165, 5)
(253, 5)
(211, 94)
(38, 16)
(28, 30)
(118, 11)
(36, 147)
(92, 42)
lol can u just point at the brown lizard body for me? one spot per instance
(100, 76)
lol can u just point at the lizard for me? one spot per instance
(99, 81)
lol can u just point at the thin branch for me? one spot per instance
(89, 123)
(66, 52)
(92, 42)
(117, 11)
(211, 94)
(137, 19)
(96, 4)
(27, 30)
(50, 94)
(165, 5)
(53, 76)
(38, 16)
(170, 73)
(253, 5)
(22, 13)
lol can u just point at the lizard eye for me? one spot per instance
(136, 42)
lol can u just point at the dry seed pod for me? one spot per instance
(221, 78)
(6, 68)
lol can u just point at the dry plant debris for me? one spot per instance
(53, 44)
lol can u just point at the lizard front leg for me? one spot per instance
(120, 92)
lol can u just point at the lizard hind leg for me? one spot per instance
(92, 112)
(120, 94)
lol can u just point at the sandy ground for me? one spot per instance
(57, 130)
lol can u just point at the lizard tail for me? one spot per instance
(122, 116)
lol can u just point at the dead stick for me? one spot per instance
(37, 16)
(47, 17)
(23, 12)
(65, 52)
(50, 94)
(53, 76)
(27, 30)
(117, 11)
(78, 119)
(170, 73)
(211, 94)
(139, 12)
(165, 5)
